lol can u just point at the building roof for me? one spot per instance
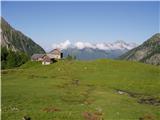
(46, 59)
(55, 51)
(36, 56)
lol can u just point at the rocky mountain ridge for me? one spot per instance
(148, 52)
(16, 40)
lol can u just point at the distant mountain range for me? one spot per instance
(88, 51)
(148, 52)
(17, 41)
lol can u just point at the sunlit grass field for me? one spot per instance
(82, 90)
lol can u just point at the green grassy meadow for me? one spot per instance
(70, 90)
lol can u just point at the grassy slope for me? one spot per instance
(35, 89)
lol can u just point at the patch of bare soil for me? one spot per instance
(36, 76)
(92, 115)
(51, 109)
(148, 117)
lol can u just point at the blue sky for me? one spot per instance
(53, 22)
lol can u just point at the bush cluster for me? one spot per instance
(11, 59)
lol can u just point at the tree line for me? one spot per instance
(11, 59)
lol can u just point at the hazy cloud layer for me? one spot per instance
(102, 46)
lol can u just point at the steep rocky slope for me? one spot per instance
(148, 52)
(17, 41)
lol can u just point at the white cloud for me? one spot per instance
(62, 45)
(81, 45)
(89, 45)
(101, 46)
